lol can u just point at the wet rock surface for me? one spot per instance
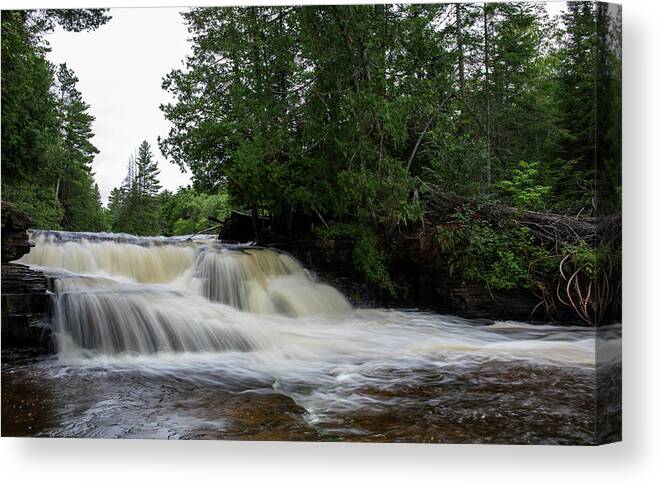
(495, 402)
(26, 329)
(427, 287)
(26, 321)
(15, 239)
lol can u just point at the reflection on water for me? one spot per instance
(245, 344)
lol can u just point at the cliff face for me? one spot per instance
(15, 240)
(415, 267)
(26, 329)
(332, 262)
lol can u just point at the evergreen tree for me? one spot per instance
(76, 187)
(30, 137)
(34, 152)
(147, 172)
(574, 171)
(134, 207)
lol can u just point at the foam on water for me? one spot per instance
(215, 315)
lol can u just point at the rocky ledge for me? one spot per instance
(25, 311)
(427, 287)
(26, 324)
(15, 239)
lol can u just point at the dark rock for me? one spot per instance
(26, 325)
(26, 329)
(239, 228)
(15, 239)
(415, 269)
(332, 263)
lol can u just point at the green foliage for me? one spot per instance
(77, 192)
(502, 256)
(135, 207)
(46, 127)
(584, 258)
(368, 256)
(39, 202)
(189, 212)
(298, 129)
(482, 253)
(371, 262)
(523, 189)
(380, 199)
(339, 111)
(146, 182)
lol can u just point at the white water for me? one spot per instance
(212, 314)
(117, 296)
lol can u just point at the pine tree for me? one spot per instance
(36, 153)
(75, 186)
(134, 207)
(574, 171)
(147, 172)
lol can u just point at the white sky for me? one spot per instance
(120, 67)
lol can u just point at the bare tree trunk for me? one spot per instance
(424, 131)
(487, 100)
(460, 49)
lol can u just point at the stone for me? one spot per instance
(15, 239)
(26, 323)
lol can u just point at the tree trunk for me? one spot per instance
(487, 101)
(460, 49)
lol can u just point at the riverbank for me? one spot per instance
(192, 339)
(426, 286)
(26, 315)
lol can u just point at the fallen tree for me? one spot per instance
(584, 251)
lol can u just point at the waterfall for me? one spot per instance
(142, 260)
(119, 293)
(125, 296)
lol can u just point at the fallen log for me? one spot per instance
(546, 226)
(592, 290)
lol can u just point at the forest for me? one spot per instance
(489, 126)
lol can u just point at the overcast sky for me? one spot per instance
(120, 67)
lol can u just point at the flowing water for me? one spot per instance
(189, 338)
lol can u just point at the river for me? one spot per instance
(189, 338)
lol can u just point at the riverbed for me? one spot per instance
(191, 340)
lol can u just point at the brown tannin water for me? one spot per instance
(176, 338)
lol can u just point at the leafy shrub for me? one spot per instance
(368, 257)
(188, 212)
(500, 254)
(482, 253)
(523, 190)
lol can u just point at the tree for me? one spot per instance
(33, 154)
(146, 172)
(134, 207)
(576, 169)
(75, 187)
(188, 211)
